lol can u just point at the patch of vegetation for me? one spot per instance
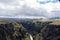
(38, 29)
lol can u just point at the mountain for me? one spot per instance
(12, 29)
(25, 17)
(55, 18)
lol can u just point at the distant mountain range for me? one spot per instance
(55, 18)
(23, 19)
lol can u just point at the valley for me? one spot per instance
(31, 29)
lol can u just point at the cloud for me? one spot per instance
(8, 1)
(14, 8)
(47, 1)
(56, 13)
(23, 8)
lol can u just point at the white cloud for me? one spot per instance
(47, 0)
(28, 7)
(52, 6)
(8, 7)
(42, 0)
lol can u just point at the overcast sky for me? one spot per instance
(29, 8)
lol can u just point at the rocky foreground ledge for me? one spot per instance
(35, 31)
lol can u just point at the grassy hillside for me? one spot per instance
(21, 30)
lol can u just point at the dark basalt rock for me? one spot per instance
(51, 32)
(6, 31)
(40, 31)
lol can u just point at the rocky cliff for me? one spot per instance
(29, 30)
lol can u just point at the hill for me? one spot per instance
(35, 29)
